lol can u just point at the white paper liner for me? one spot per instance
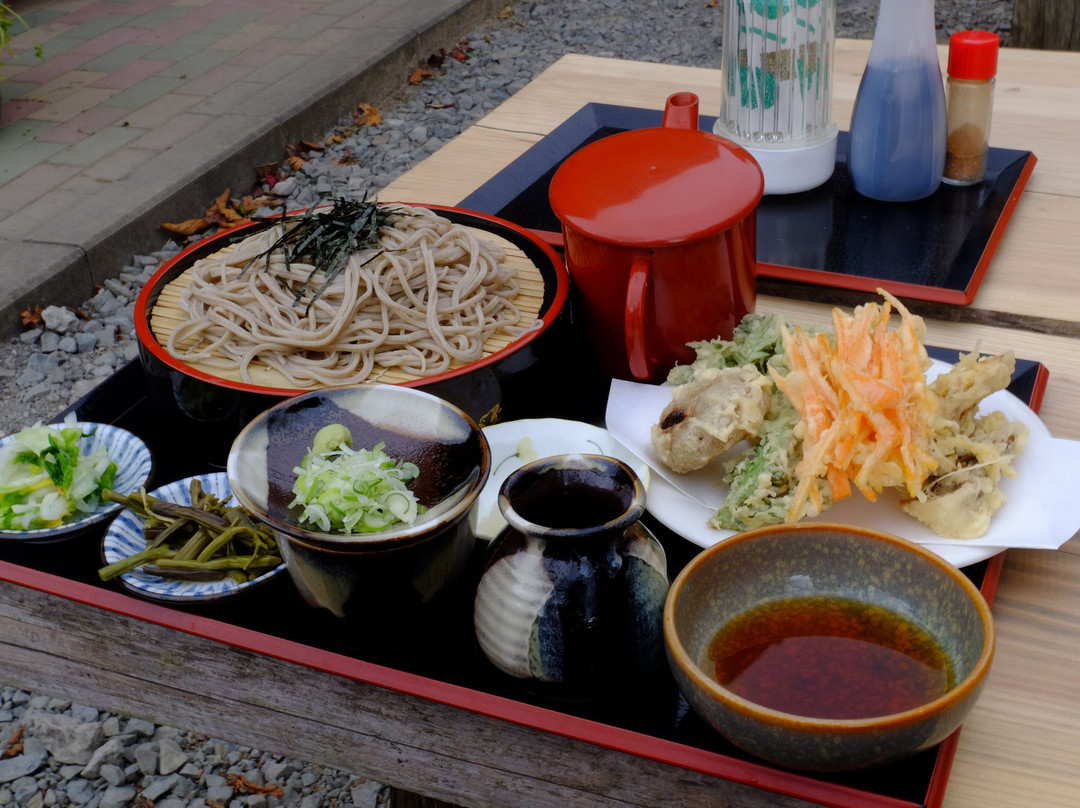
(1042, 510)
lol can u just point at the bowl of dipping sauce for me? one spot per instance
(826, 647)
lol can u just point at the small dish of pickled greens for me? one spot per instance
(52, 477)
(188, 542)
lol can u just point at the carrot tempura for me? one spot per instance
(866, 411)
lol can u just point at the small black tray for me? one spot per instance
(936, 249)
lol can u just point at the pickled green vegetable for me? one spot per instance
(45, 481)
(206, 540)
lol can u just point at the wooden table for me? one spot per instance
(1021, 744)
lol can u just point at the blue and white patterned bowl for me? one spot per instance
(134, 464)
(125, 538)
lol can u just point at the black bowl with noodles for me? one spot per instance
(511, 380)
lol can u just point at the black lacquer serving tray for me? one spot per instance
(936, 249)
(660, 725)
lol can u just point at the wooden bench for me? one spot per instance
(1046, 24)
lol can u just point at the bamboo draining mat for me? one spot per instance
(167, 315)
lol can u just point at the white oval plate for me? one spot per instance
(1042, 510)
(689, 519)
(133, 467)
(515, 443)
(125, 538)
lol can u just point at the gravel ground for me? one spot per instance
(47, 369)
(53, 753)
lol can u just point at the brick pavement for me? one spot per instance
(145, 110)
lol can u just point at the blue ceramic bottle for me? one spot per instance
(898, 126)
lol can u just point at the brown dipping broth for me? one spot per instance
(829, 657)
(572, 498)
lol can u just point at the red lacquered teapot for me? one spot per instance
(659, 233)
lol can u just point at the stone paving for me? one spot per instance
(145, 110)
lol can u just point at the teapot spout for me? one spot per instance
(681, 111)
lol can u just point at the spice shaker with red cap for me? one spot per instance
(969, 98)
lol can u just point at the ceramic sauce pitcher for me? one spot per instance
(572, 592)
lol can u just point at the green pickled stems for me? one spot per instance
(206, 540)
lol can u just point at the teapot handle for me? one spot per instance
(681, 111)
(637, 293)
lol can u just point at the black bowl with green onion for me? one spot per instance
(386, 578)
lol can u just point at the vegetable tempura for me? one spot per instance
(848, 408)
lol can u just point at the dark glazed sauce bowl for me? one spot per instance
(385, 586)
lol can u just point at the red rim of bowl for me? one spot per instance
(146, 337)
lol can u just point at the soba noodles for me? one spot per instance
(429, 298)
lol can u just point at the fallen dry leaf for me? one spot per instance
(346, 158)
(419, 75)
(296, 162)
(222, 203)
(186, 228)
(32, 317)
(14, 745)
(221, 212)
(507, 12)
(250, 204)
(215, 216)
(303, 149)
(238, 783)
(367, 115)
(226, 218)
(711, 3)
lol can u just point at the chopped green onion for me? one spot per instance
(346, 490)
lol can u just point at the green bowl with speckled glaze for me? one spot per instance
(783, 562)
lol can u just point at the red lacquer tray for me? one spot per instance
(275, 622)
(937, 249)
